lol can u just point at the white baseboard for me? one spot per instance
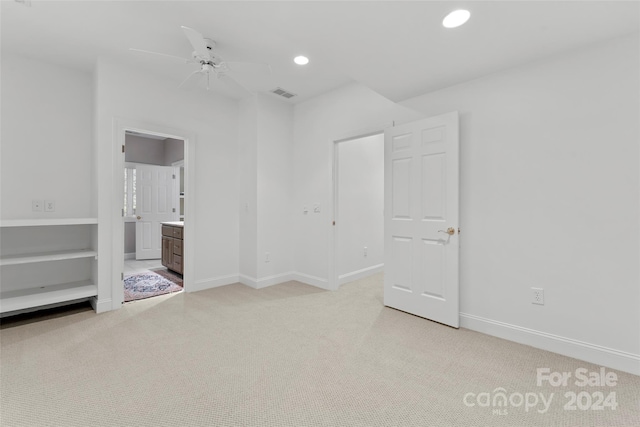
(213, 282)
(249, 281)
(311, 280)
(359, 274)
(100, 306)
(254, 283)
(599, 355)
(131, 255)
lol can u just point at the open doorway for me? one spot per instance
(153, 212)
(358, 208)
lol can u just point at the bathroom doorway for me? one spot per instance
(153, 214)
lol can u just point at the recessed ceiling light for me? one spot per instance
(456, 18)
(301, 60)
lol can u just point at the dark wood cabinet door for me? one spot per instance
(177, 263)
(172, 248)
(167, 251)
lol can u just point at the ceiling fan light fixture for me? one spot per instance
(301, 60)
(210, 66)
(456, 18)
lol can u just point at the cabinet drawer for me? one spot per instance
(177, 232)
(177, 247)
(167, 230)
(177, 263)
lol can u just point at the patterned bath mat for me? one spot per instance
(145, 285)
(170, 276)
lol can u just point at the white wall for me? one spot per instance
(360, 219)
(129, 238)
(266, 190)
(173, 151)
(128, 94)
(161, 152)
(350, 111)
(275, 190)
(248, 189)
(144, 150)
(549, 198)
(47, 129)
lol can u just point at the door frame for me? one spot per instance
(120, 127)
(334, 280)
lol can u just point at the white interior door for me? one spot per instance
(421, 205)
(155, 192)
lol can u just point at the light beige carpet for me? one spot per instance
(287, 355)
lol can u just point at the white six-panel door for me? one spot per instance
(155, 194)
(421, 205)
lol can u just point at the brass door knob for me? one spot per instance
(139, 217)
(450, 231)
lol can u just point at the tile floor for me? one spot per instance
(131, 266)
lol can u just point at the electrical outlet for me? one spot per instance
(267, 257)
(49, 205)
(365, 251)
(36, 205)
(538, 296)
(316, 208)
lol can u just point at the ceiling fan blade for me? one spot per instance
(234, 65)
(197, 41)
(237, 83)
(166, 55)
(191, 80)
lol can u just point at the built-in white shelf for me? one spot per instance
(73, 242)
(21, 299)
(46, 222)
(47, 256)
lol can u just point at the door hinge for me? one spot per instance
(123, 148)
(122, 211)
(174, 176)
(121, 276)
(334, 223)
(173, 209)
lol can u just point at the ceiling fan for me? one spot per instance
(210, 64)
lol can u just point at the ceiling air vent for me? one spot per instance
(281, 92)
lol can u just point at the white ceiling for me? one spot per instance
(396, 48)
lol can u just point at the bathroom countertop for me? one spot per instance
(174, 223)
